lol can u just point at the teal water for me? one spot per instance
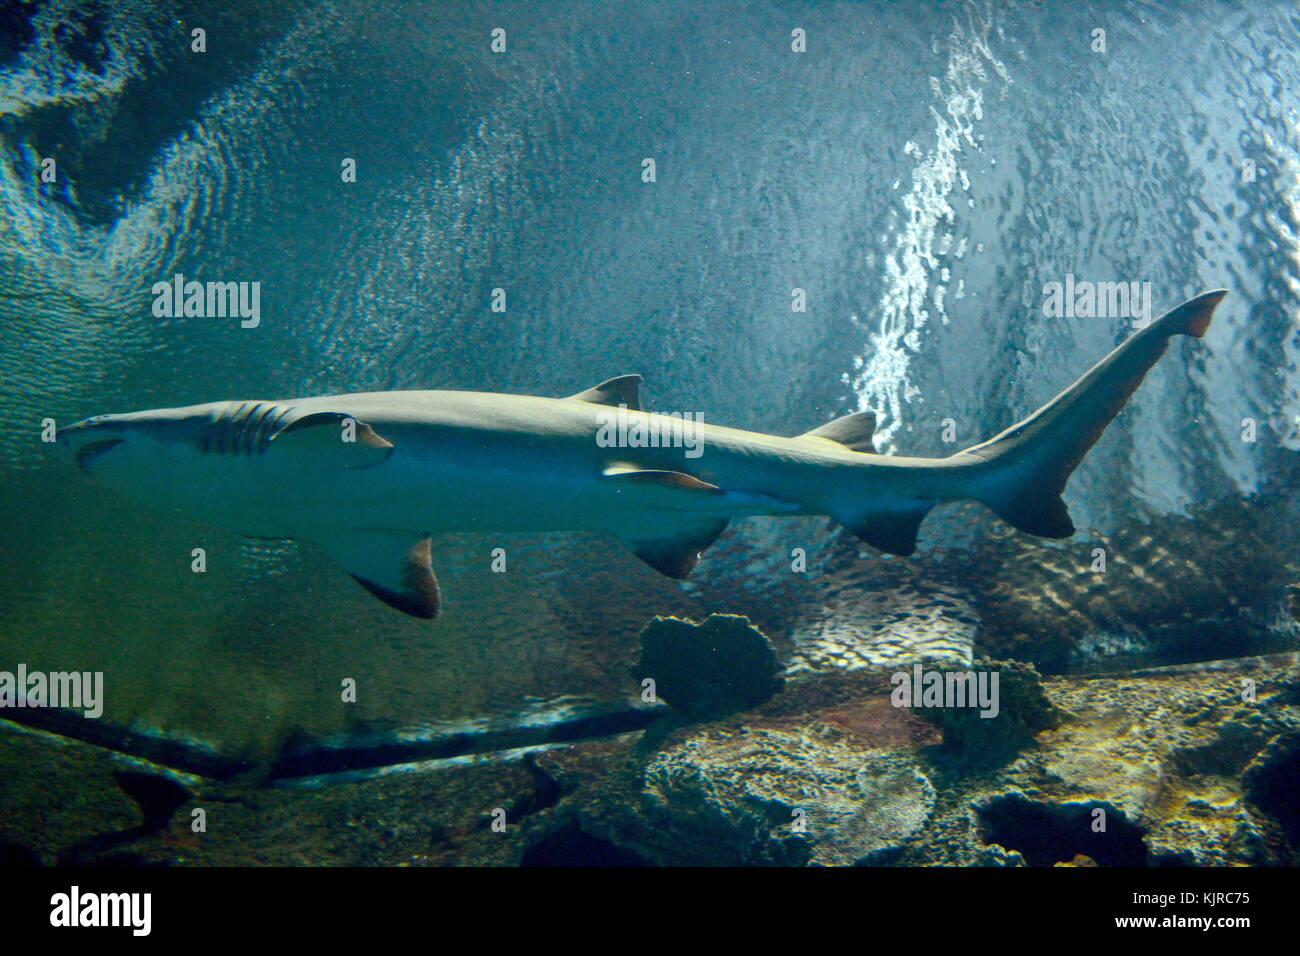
(920, 172)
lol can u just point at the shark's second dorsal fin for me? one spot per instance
(624, 390)
(853, 431)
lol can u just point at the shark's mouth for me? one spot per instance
(92, 450)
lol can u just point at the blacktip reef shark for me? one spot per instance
(370, 477)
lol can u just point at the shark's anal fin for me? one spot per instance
(676, 553)
(623, 390)
(854, 432)
(392, 567)
(893, 531)
(334, 437)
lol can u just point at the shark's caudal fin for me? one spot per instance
(1030, 462)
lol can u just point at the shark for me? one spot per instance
(371, 477)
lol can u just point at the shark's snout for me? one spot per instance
(88, 440)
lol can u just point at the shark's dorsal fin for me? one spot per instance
(624, 390)
(853, 431)
(354, 446)
(392, 568)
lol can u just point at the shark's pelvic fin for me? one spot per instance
(624, 390)
(854, 432)
(392, 568)
(1030, 463)
(675, 552)
(672, 541)
(337, 438)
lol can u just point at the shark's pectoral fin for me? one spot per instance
(893, 531)
(678, 480)
(675, 551)
(854, 432)
(624, 390)
(334, 437)
(391, 567)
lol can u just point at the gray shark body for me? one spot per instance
(371, 476)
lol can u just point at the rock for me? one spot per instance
(1291, 683)
(1214, 832)
(1172, 757)
(995, 855)
(1048, 832)
(159, 794)
(1271, 782)
(885, 626)
(711, 669)
(1174, 590)
(1023, 710)
(807, 795)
